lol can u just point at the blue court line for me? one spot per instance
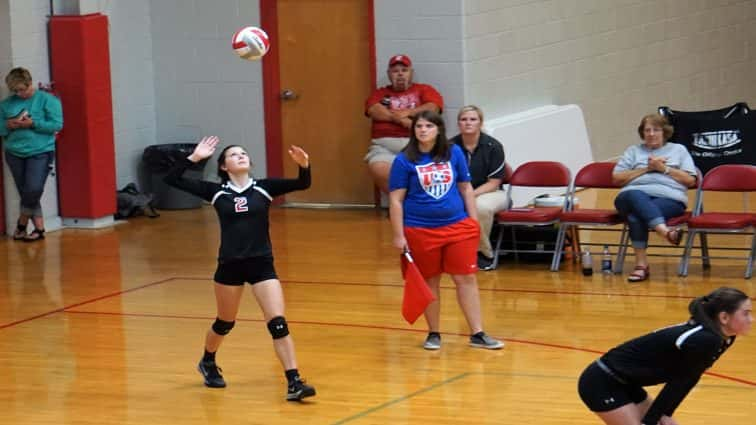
(401, 399)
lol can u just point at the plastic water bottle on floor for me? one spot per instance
(606, 261)
(587, 263)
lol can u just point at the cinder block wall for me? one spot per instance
(617, 59)
(201, 87)
(431, 33)
(23, 42)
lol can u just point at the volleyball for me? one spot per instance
(250, 43)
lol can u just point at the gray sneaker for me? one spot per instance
(482, 340)
(433, 341)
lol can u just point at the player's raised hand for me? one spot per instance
(299, 156)
(205, 148)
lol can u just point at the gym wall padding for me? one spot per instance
(80, 70)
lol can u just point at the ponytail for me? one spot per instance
(705, 310)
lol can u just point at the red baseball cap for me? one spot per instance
(402, 59)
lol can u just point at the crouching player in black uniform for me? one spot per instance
(612, 386)
(242, 205)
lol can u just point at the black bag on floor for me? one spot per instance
(132, 203)
(536, 238)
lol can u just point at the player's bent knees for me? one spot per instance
(278, 328)
(221, 327)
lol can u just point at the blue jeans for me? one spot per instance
(644, 212)
(30, 174)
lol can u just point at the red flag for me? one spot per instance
(417, 295)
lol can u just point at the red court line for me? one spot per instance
(390, 328)
(113, 294)
(542, 344)
(503, 290)
(512, 290)
(731, 378)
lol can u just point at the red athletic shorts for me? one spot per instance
(449, 249)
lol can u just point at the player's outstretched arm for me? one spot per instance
(205, 148)
(203, 189)
(281, 186)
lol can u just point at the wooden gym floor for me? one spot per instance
(106, 327)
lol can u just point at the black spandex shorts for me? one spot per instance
(252, 270)
(601, 392)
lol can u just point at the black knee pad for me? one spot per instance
(221, 327)
(278, 327)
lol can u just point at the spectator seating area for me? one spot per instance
(698, 221)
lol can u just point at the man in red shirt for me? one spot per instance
(391, 108)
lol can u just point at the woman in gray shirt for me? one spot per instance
(655, 176)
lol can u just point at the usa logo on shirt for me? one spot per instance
(435, 178)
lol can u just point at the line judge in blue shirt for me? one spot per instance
(432, 209)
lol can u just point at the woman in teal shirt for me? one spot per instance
(30, 120)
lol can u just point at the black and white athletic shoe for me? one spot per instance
(299, 390)
(212, 374)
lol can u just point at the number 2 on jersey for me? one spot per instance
(240, 205)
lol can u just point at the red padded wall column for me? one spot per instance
(80, 68)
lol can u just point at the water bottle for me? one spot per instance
(606, 261)
(587, 263)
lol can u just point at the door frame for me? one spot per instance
(272, 83)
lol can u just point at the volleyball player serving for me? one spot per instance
(242, 205)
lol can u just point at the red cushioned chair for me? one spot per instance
(530, 174)
(724, 178)
(596, 175)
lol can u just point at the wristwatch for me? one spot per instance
(667, 169)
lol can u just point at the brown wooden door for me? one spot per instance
(325, 62)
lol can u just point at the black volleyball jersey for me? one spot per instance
(242, 211)
(676, 355)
